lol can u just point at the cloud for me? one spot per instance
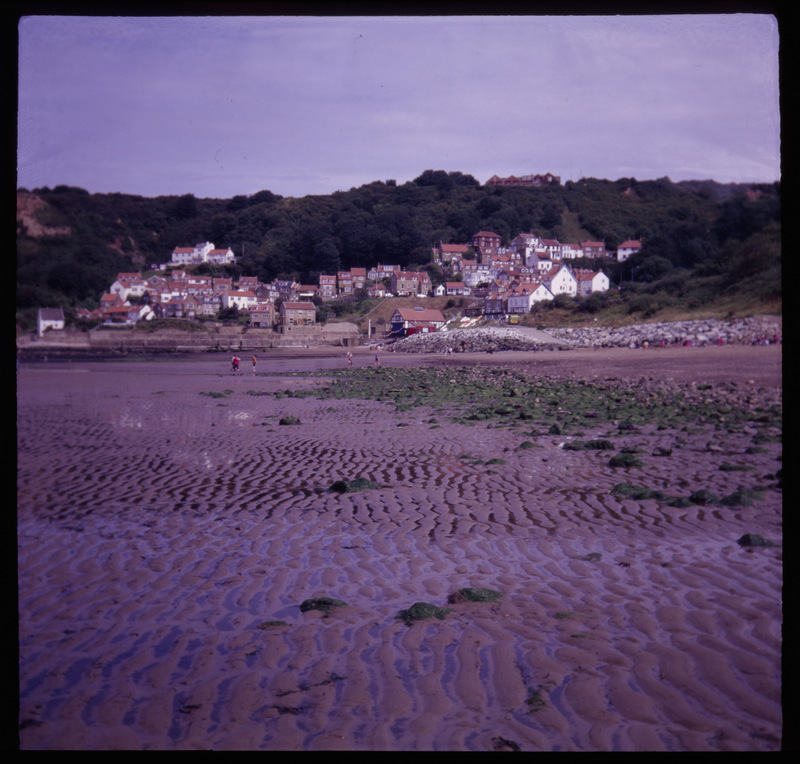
(229, 105)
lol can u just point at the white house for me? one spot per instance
(628, 248)
(202, 253)
(522, 298)
(49, 318)
(591, 281)
(243, 300)
(553, 247)
(560, 280)
(128, 285)
(571, 252)
(221, 256)
(457, 288)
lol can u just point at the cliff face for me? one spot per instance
(28, 205)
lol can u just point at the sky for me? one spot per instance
(298, 105)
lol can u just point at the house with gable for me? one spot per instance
(522, 298)
(359, 277)
(297, 314)
(221, 256)
(109, 300)
(627, 248)
(561, 280)
(416, 320)
(49, 318)
(405, 283)
(553, 247)
(128, 285)
(262, 315)
(327, 287)
(487, 244)
(424, 284)
(593, 248)
(344, 283)
(590, 281)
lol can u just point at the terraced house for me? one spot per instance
(297, 314)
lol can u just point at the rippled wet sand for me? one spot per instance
(167, 538)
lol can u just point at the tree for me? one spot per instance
(185, 207)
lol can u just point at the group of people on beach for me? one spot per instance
(236, 361)
(378, 348)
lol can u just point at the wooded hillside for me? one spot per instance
(71, 244)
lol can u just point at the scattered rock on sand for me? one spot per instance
(474, 595)
(419, 611)
(753, 539)
(325, 604)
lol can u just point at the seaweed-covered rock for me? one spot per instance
(290, 419)
(600, 444)
(637, 492)
(419, 611)
(351, 486)
(325, 604)
(741, 498)
(474, 595)
(753, 539)
(625, 460)
(703, 497)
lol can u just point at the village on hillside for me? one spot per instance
(498, 282)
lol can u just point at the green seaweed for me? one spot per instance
(535, 700)
(600, 444)
(625, 460)
(741, 498)
(351, 486)
(703, 497)
(325, 604)
(753, 539)
(419, 611)
(264, 625)
(564, 614)
(638, 493)
(474, 595)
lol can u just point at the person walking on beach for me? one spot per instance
(377, 358)
(235, 364)
(349, 358)
(254, 366)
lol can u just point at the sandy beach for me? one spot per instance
(170, 527)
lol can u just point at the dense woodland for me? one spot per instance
(725, 238)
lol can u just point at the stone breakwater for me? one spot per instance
(744, 331)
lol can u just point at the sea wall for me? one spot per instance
(129, 340)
